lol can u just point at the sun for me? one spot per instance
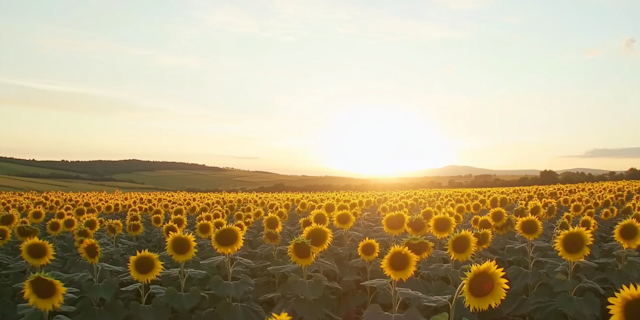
(382, 142)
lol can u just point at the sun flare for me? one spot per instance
(383, 142)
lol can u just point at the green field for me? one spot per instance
(10, 183)
(16, 169)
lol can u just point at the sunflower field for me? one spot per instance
(543, 252)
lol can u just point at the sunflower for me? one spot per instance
(529, 227)
(606, 214)
(281, 316)
(400, 263)
(588, 223)
(417, 226)
(37, 252)
(43, 292)
(82, 233)
(157, 220)
(135, 228)
(114, 228)
(483, 239)
(395, 223)
(54, 227)
(627, 234)
(319, 236)
(626, 304)
(344, 220)
(145, 266)
(181, 247)
(5, 235)
(238, 216)
(419, 246)
(179, 221)
(25, 232)
(219, 223)
(90, 251)
(498, 216)
(91, 223)
(302, 252)
(484, 286)
(461, 246)
(442, 225)
(227, 240)
(36, 215)
(241, 226)
(474, 221)
(9, 219)
(257, 214)
(368, 249)
(169, 228)
(576, 209)
(69, 223)
(273, 223)
(271, 237)
(320, 217)
(485, 223)
(573, 244)
(204, 229)
(305, 223)
(562, 225)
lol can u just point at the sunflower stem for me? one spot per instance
(95, 273)
(45, 315)
(304, 273)
(182, 277)
(571, 265)
(229, 267)
(530, 250)
(394, 296)
(455, 301)
(142, 296)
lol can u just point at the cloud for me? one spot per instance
(593, 53)
(610, 153)
(629, 45)
(232, 157)
(293, 20)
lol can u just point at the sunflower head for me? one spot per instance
(273, 223)
(5, 235)
(483, 239)
(484, 286)
(368, 249)
(627, 234)
(37, 252)
(36, 215)
(69, 223)
(204, 229)
(44, 292)
(529, 227)
(498, 216)
(573, 244)
(90, 251)
(145, 266)
(157, 220)
(54, 227)
(241, 226)
(417, 226)
(576, 208)
(399, 263)
(302, 252)
(395, 223)
(135, 228)
(305, 223)
(271, 237)
(227, 240)
(169, 228)
(320, 217)
(25, 232)
(461, 246)
(179, 221)
(82, 233)
(219, 223)
(626, 303)
(344, 220)
(181, 247)
(8, 219)
(319, 236)
(419, 246)
(442, 225)
(475, 221)
(588, 223)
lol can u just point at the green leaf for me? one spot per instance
(587, 307)
(377, 283)
(287, 268)
(108, 267)
(214, 261)
(245, 311)
(309, 310)
(442, 316)
(542, 303)
(134, 286)
(156, 311)
(236, 289)
(182, 301)
(375, 312)
(520, 277)
(60, 317)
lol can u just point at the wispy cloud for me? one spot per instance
(628, 45)
(633, 152)
(289, 20)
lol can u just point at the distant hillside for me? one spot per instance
(108, 167)
(466, 170)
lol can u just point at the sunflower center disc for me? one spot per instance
(395, 222)
(272, 236)
(43, 288)
(497, 217)
(632, 309)
(628, 232)
(91, 251)
(181, 245)
(111, 229)
(399, 261)
(573, 243)
(54, 226)
(144, 264)
(320, 219)
(418, 248)
(417, 225)
(69, 223)
(204, 228)
(368, 249)
(6, 219)
(169, 230)
(272, 223)
(318, 237)
(484, 224)
(227, 238)
(442, 225)
(530, 227)
(344, 219)
(302, 250)
(460, 244)
(37, 250)
(481, 285)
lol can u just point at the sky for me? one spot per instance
(324, 87)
